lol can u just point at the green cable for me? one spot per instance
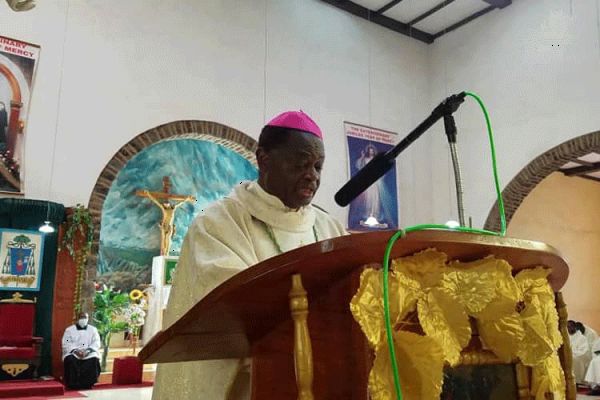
(494, 169)
(386, 311)
(402, 232)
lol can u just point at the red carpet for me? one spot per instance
(44, 389)
(67, 395)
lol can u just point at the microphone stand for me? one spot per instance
(450, 127)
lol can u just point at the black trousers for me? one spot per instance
(81, 374)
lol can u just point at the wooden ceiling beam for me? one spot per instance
(431, 11)
(584, 169)
(463, 22)
(499, 3)
(372, 16)
(388, 6)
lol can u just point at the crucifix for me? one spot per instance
(168, 204)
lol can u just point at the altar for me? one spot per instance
(163, 269)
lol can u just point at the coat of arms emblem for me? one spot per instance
(19, 267)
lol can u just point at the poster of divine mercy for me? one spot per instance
(377, 207)
(18, 62)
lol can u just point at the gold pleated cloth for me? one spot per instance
(432, 304)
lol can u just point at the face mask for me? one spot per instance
(82, 322)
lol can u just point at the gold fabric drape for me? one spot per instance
(433, 303)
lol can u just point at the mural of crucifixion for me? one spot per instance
(168, 204)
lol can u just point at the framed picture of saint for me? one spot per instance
(377, 207)
(18, 61)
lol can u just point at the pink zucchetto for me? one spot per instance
(296, 120)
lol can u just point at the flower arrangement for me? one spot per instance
(135, 316)
(12, 165)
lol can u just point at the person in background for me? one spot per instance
(592, 376)
(588, 332)
(580, 349)
(80, 345)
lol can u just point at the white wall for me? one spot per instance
(536, 65)
(110, 70)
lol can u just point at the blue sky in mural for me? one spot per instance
(130, 232)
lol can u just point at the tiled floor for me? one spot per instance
(120, 394)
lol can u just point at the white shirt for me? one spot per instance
(593, 372)
(81, 339)
(581, 355)
(590, 335)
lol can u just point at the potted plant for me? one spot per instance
(108, 306)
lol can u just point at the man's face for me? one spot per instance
(292, 172)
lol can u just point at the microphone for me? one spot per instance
(364, 178)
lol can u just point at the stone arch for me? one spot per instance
(538, 169)
(13, 109)
(188, 129)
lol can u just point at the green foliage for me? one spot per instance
(21, 239)
(108, 305)
(80, 220)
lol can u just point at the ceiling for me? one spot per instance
(424, 20)
(587, 166)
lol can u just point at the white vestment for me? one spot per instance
(230, 236)
(592, 376)
(581, 355)
(81, 339)
(590, 335)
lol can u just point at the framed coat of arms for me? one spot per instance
(21, 259)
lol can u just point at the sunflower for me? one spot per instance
(136, 294)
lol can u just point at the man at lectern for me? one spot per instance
(257, 221)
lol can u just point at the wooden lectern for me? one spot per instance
(261, 312)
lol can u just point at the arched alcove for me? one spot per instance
(538, 169)
(206, 131)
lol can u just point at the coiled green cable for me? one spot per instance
(402, 232)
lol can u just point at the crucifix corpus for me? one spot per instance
(168, 204)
